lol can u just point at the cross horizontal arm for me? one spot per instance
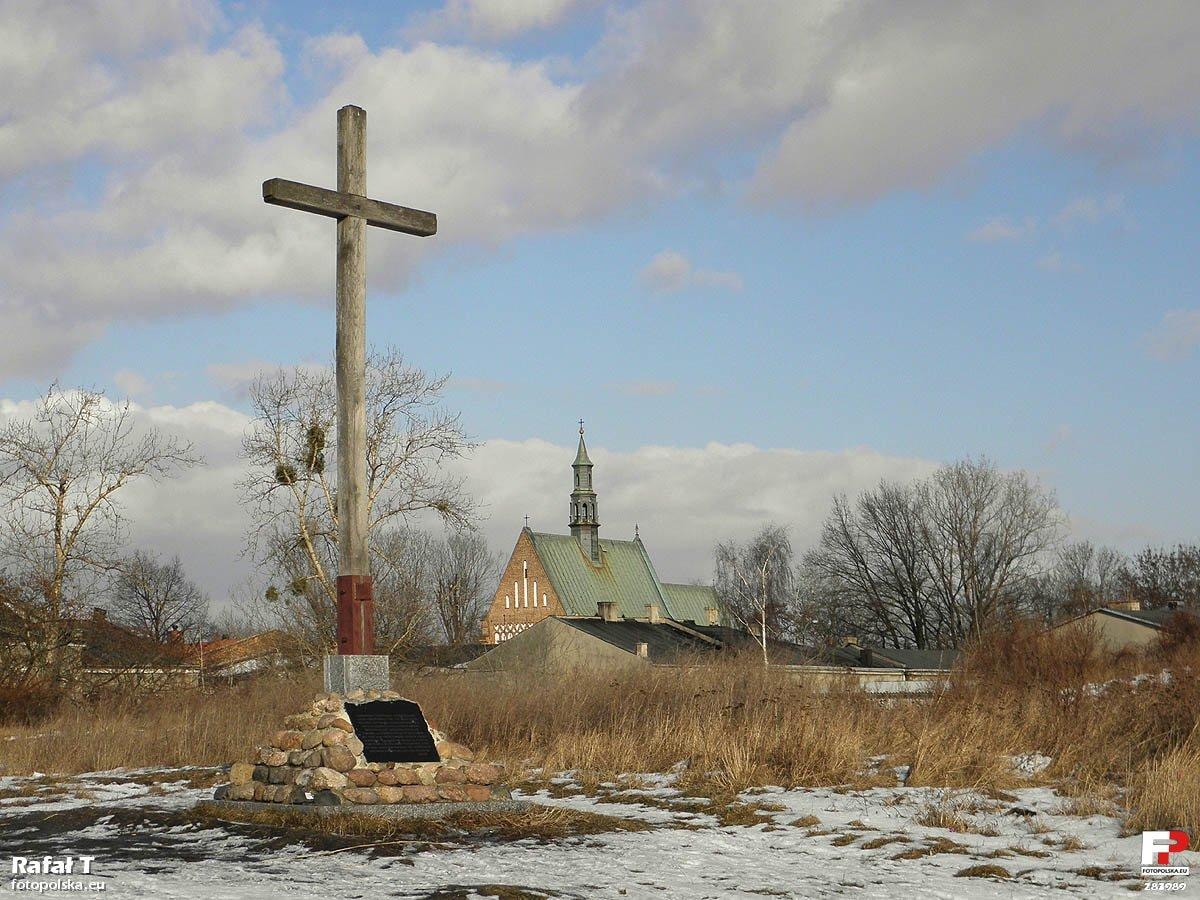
(308, 198)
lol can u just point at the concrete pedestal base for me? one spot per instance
(344, 674)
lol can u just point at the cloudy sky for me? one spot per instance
(768, 250)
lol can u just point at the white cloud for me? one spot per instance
(895, 98)
(132, 384)
(832, 99)
(494, 20)
(684, 498)
(1090, 210)
(670, 272)
(1002, 228)
(1176, 336)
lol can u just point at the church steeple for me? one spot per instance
(585, 521)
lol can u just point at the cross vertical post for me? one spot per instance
(354, 211)
(356, 632)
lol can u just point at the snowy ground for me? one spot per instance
(810, 843)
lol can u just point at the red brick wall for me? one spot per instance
(524, 567)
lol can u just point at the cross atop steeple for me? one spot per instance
(581, 426)
(527, 521)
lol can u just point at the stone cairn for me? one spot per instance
(319, 761)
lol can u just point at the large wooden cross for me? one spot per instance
(354, 211)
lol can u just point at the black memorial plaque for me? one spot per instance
(392, 731)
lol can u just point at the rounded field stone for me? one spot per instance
(339, 758)
(389, 794)
(419, 793)
(326, 798)
(312, 739)
(360, 795)
(361, 777)
(312, 759)
(427, 772)
(288, 740)
(240, 792)
(448, 775)
(275, 758)
(260, 791)
(281, 775)
(343, 724)
(398, 777)
(324, 778)
(354, 745)
(297, 757)
(456, 793)
(260, 774)
(241, 773)
(482, 773)
(478, 792)
(301, 721)
(333, 737)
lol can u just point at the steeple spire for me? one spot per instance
(585, 522)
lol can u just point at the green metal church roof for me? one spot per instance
(625, 577)
(690, 602)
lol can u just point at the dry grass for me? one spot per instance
(1165, 793)
(172, 729)
(540, 822)
(737, 725)
(984, 870)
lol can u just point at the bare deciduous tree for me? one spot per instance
(755, 581)
(465, 572)
(1157, 577)
(291, 490)
(872, 561)
(61, 470)
(154, 598)
(935, 563)
(985, 535)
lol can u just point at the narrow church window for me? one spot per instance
(506, 606)
(544, 596)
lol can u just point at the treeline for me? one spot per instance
(64, 550)
(937, 562)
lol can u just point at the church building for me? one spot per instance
(581, 574)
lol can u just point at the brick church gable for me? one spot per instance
(571, 574)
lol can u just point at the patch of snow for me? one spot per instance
(703, 859)
(1030, 764)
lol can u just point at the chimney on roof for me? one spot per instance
(652, 615)
(607, 610)
(713, 615)
(849, 641)
(643, 650)
(99, 614)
